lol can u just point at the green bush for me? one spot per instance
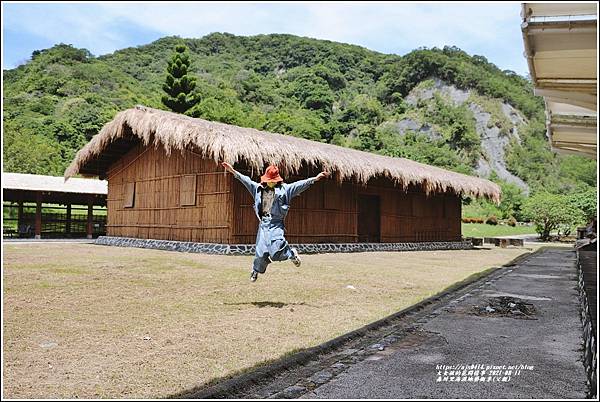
(480, 208)
(512, 198)
(586, 201)
(551, 212)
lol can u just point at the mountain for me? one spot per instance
(438, 106)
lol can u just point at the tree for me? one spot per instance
(297, 122)
(311, 89)
(364, 109)
(512, 198)
(179, 84)
(586, 201)
(551, 212)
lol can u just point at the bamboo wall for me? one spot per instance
(310, 219)
(325, 213)
(157, 212)
(412, 216)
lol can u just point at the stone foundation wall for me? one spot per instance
(248, 249)
(590, 358)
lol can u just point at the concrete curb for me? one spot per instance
(221, 389)
(590, 357)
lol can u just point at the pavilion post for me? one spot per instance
(20, 216)
(68, 224)
(90, 216)
(38, 215)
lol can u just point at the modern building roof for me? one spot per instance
(35, 182)
(561, 48)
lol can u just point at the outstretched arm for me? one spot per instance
(296, 188)
(246, 181)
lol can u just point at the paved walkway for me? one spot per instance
(542, 331)
(37, 241)
(527, 238)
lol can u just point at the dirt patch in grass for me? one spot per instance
(90, 321)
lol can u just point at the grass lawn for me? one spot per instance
(89, 321)
(484, 230)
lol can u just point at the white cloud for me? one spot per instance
(68, 24)
(385, 27)
(492, 30)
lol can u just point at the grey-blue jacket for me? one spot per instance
(270, 237)
(283, 195)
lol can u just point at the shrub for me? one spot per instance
(491, 220)
(586, 201)
(551, 212)
(472, 220)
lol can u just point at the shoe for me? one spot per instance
(253, 276)
(296, 258)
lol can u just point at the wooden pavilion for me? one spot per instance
(66, 199)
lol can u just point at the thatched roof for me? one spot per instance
(36, 182)
(224, 142)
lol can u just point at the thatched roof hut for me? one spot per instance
(224, 142)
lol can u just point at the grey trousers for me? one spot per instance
(271, 245)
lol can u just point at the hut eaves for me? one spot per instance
(224, 142)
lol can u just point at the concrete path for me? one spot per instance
(37, 241)
(527, 238)
(540, 337)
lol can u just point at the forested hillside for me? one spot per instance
(438, 106)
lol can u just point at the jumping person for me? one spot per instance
(272, 199)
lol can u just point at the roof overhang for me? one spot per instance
(56, 184)
(216, 141)
(561, 49)
(20, 187)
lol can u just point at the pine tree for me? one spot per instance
(179, 84)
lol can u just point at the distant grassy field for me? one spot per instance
(484, 230)
(88, 321)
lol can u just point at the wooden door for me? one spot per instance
(368, 219)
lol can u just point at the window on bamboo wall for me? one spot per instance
(129, 195)
(187, 190)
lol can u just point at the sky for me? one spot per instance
(490, 29)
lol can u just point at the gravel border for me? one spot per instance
(248, 249)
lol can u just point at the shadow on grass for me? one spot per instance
(195, 392)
